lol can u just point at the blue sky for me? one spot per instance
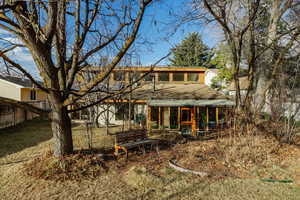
(159, 33)
(156, 29)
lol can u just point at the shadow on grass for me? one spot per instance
(23, 136)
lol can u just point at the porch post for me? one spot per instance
(178, 118)
(207, 118)
(149, 127)
(159, 118)
(217, 116)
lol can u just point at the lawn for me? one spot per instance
(143, 176)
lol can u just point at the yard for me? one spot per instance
(235, 172)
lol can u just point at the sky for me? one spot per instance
(162, 35)
(157, 29)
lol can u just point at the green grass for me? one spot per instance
(23, 136)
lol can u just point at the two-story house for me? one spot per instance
(167, 98)
(19, 90)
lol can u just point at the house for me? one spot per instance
(244, 84)
(14, 90)
(167, 98)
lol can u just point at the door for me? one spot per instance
(186, 119)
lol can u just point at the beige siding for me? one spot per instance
(25, 94)
(10, 90)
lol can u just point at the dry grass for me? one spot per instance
(146, 176)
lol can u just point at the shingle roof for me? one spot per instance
(177, 92)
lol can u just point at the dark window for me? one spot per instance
(5, 109)
(163, 76)
(173, 117)
(154, 117)
(178, 76)
(212, 123)
(134, 76)
(149, 77)
(32, 95)
(194, 77)
(119, 76)
(202, 120)
(122, 112)
(186, 115)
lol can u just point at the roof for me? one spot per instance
(177, 92)
(244, 83)
(188, 102)
(19, 81)
(156, 68)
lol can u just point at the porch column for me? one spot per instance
(178, 118)
(149, 127)
(194, 124)
(159, 118)
(207, 118)
(217, 116)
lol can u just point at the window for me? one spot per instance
(193, 77)
(178, 76)
(154, 117)
(212, 123)
(134, 76)
(149, 77)
(173, 117)
(119, 76)
(122, 112)
(6, 109)
(163, 76)
(32, 95)
(186, 115)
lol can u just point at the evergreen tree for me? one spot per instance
(191, 52)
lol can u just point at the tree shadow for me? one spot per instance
(25, 135)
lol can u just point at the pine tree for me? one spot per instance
(191, 52)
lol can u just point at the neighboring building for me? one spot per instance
(244, 84)
(168, 98)
(13, 90)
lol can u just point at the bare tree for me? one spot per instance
(63, 38)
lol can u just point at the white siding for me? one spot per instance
(10, 90)
(138, 109)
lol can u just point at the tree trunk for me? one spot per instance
(61, 127)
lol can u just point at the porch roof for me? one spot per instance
(190, 102)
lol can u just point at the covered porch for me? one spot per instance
(192, 117)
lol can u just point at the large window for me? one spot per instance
(134, 76)
(163, 76)
(193, 77)
(178, 76)
(122, 112)
(149, 77)
(173, 117)
(119, 76)
(154, 117)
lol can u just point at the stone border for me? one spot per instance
(172, 163)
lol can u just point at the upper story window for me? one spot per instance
(149, 77)
(134, 76)
(193, 77)
(32, 95)
(178, 76)
(119, 76)
(163, 76)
